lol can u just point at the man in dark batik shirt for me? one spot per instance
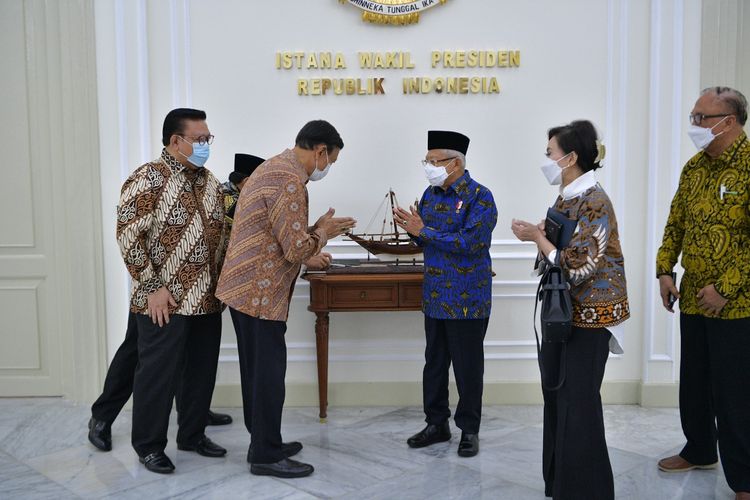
(453, 223)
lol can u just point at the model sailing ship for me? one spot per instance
(391, 245)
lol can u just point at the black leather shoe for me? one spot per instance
(430, 435)
(100, 434)
(469, 445)
(288, 449)
(218, 418)
(283, 468)
(204, 447)
(158, 462)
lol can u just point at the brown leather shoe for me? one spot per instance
(676, 463)
(742, 495)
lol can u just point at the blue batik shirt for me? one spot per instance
(458, 224)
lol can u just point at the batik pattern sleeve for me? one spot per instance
(288, 215)
(134, 221)
(417, 239)
(674, 232)
(221, 250)
(584, 255)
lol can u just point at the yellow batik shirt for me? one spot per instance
(709, 223)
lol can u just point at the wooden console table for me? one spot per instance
(351, 289)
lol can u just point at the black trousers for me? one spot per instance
(262, 350)
(715, 394)
(575, 459)
(118, 385)
(192, 340)
(462, 343)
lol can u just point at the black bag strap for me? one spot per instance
(563, 355)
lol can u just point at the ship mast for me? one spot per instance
(393, 207)
(385, 217)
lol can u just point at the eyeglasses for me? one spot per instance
(435, 162)
(202, 140)
(697, 118)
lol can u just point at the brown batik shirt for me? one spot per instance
(270, 239)
(170, 228)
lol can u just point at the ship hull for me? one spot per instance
(396, 248)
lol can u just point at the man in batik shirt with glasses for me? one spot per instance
(709, 224)
(170, 228)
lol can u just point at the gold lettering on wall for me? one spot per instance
(340, 86)
(399, 60)
(476, 59)
(385, 60)
(310, 60)
(451, 85)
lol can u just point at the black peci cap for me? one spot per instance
(445, 139)
(244, 165)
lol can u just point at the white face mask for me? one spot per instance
(702, 137)
(319, 174)
(436, 176)
(553, 172)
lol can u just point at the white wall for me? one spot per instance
(630, 66)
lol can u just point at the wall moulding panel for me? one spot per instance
(674, 59)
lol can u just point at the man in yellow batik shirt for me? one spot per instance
(709, 224)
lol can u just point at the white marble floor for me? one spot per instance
(360, 453)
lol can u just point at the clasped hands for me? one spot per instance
(333, 226)
(526, 231)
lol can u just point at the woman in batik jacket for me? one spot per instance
(575, 459)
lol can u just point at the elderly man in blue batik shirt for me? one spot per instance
(453, 223)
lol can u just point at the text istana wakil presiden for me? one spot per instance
(398, 60)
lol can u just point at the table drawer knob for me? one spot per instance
(363, 295)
